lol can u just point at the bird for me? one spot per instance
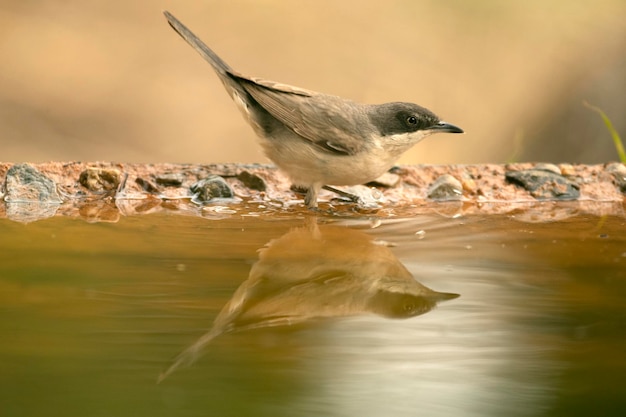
(316, 139)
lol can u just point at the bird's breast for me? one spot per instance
(307, 164)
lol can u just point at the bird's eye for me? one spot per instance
(412, 120)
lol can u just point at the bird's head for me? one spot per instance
(401, 125)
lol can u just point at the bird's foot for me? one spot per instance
(344, 194)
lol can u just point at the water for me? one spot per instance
(326, 321)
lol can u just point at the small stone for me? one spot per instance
(29, 195)
(367, 198)
(468, 183)
(619, 175)
(169, 179)
(445, 188)
(100, 179)
(548, 167)
(567, 170)
(616, 167)
(252, 181)
(24, 183)
(544, 184)
(146, 185)
(211, 188)
(387, 180)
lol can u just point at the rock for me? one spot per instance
(100, 179)
(544, 184)
(146, 185)
(548, 167)
(24, 183)
(567, 170)
(169, 179)
(619, 175)
(29, 195)
(445, 188)
(468, 184)
(211, 188)
(252, 181)
(367, 198)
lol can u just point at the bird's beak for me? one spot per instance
(446, 127)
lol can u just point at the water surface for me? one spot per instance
(346, 317)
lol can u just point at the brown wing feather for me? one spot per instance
(316, 117)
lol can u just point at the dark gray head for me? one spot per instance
(411, 120)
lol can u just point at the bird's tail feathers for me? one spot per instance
(211, 57)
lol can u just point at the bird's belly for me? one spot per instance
(305, 164)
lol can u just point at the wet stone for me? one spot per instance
(544, 184)
(367, 198)
(618, 171)
(252, 181)
(29, 195)
(602, 190)
(210, 188)
(468, 184)
(169, 180)
(445, 188)
(146, 185)
(100, 179)
(24, 183)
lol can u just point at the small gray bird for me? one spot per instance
(319, 139)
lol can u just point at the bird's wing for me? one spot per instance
(316, 117)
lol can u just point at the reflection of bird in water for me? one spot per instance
(315, 272)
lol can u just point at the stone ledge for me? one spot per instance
(102, 191)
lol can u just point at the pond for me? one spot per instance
(313, 315)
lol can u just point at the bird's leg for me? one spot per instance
(310, 199)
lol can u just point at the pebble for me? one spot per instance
(252, 181)
(24, 183)
(544, 184)
(100, 179)
(169, 179)
(548, 167)
(567, 170)
(619, 175)
(211, 188)
(445, 188)
(30, 195)
(468, 183)
(146, 185)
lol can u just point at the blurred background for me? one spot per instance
(109, 80)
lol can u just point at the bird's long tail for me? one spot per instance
(222, 68)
